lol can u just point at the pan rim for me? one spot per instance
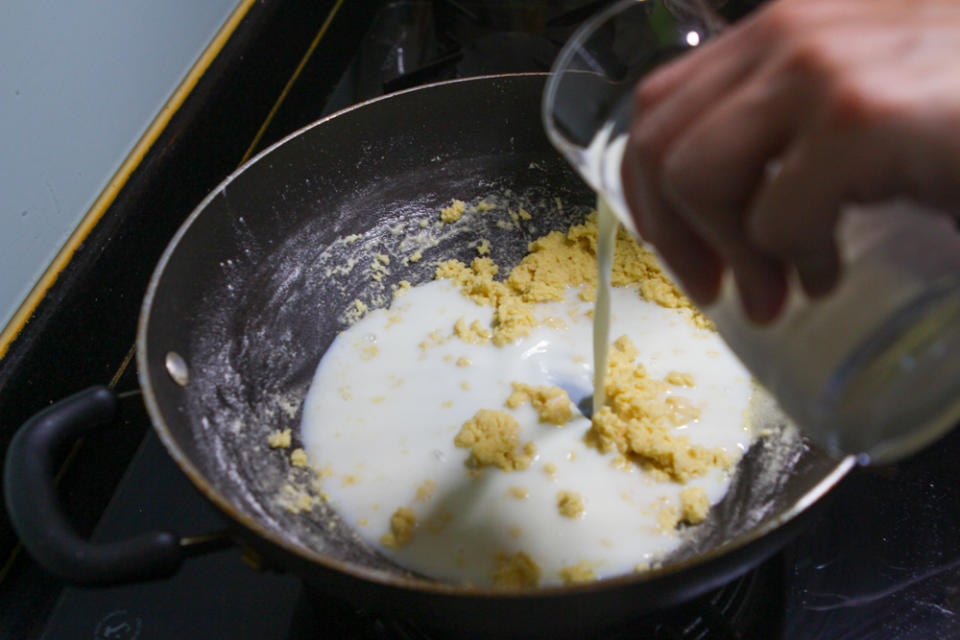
(821, 488)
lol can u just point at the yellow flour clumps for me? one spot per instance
(515, 570)
(454, 212)
(679, 379)
(552, 403)
(298, 458)
(401, 288)
(556, 261)
(474, 333)
(425, 491)
(402, 523)
(570, 504)
(294, 499)
(518, 493)
(578, 573)
(637, 419)
(667, 519)
(279, 439)
(694, 505)
(493, 438)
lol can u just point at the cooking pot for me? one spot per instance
(254, 287)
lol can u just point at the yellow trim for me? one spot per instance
(293, 78)
(123, 366)
(130, 163)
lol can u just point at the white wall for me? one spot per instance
(80, 81)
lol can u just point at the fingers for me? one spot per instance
(850, 99)
(710, 176)
(666, 105)
(714, 167)
(761, 282)
(688, 257)
(795, 212)
(801, 233)
(702, 166)
(663, 106)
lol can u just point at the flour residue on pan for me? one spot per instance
(302, 293)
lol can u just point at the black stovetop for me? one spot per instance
(882, 559)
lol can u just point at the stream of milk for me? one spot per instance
(607, 226)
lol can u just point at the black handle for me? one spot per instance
(31, 494)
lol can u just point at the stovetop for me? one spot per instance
(881, 560)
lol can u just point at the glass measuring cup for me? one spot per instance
(586, 104)
(874, 368)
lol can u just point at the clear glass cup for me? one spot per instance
(874, 368)
(586, 103)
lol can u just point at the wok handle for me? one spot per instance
(30, 490)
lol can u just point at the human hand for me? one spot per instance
(851, 100)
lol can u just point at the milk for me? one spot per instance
(380, 423)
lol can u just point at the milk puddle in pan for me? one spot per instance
(395, 389)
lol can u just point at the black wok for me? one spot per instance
(253, 289)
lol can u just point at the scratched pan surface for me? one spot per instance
(259, 280)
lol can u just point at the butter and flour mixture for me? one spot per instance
(444, 428)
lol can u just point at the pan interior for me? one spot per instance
(263, 281)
